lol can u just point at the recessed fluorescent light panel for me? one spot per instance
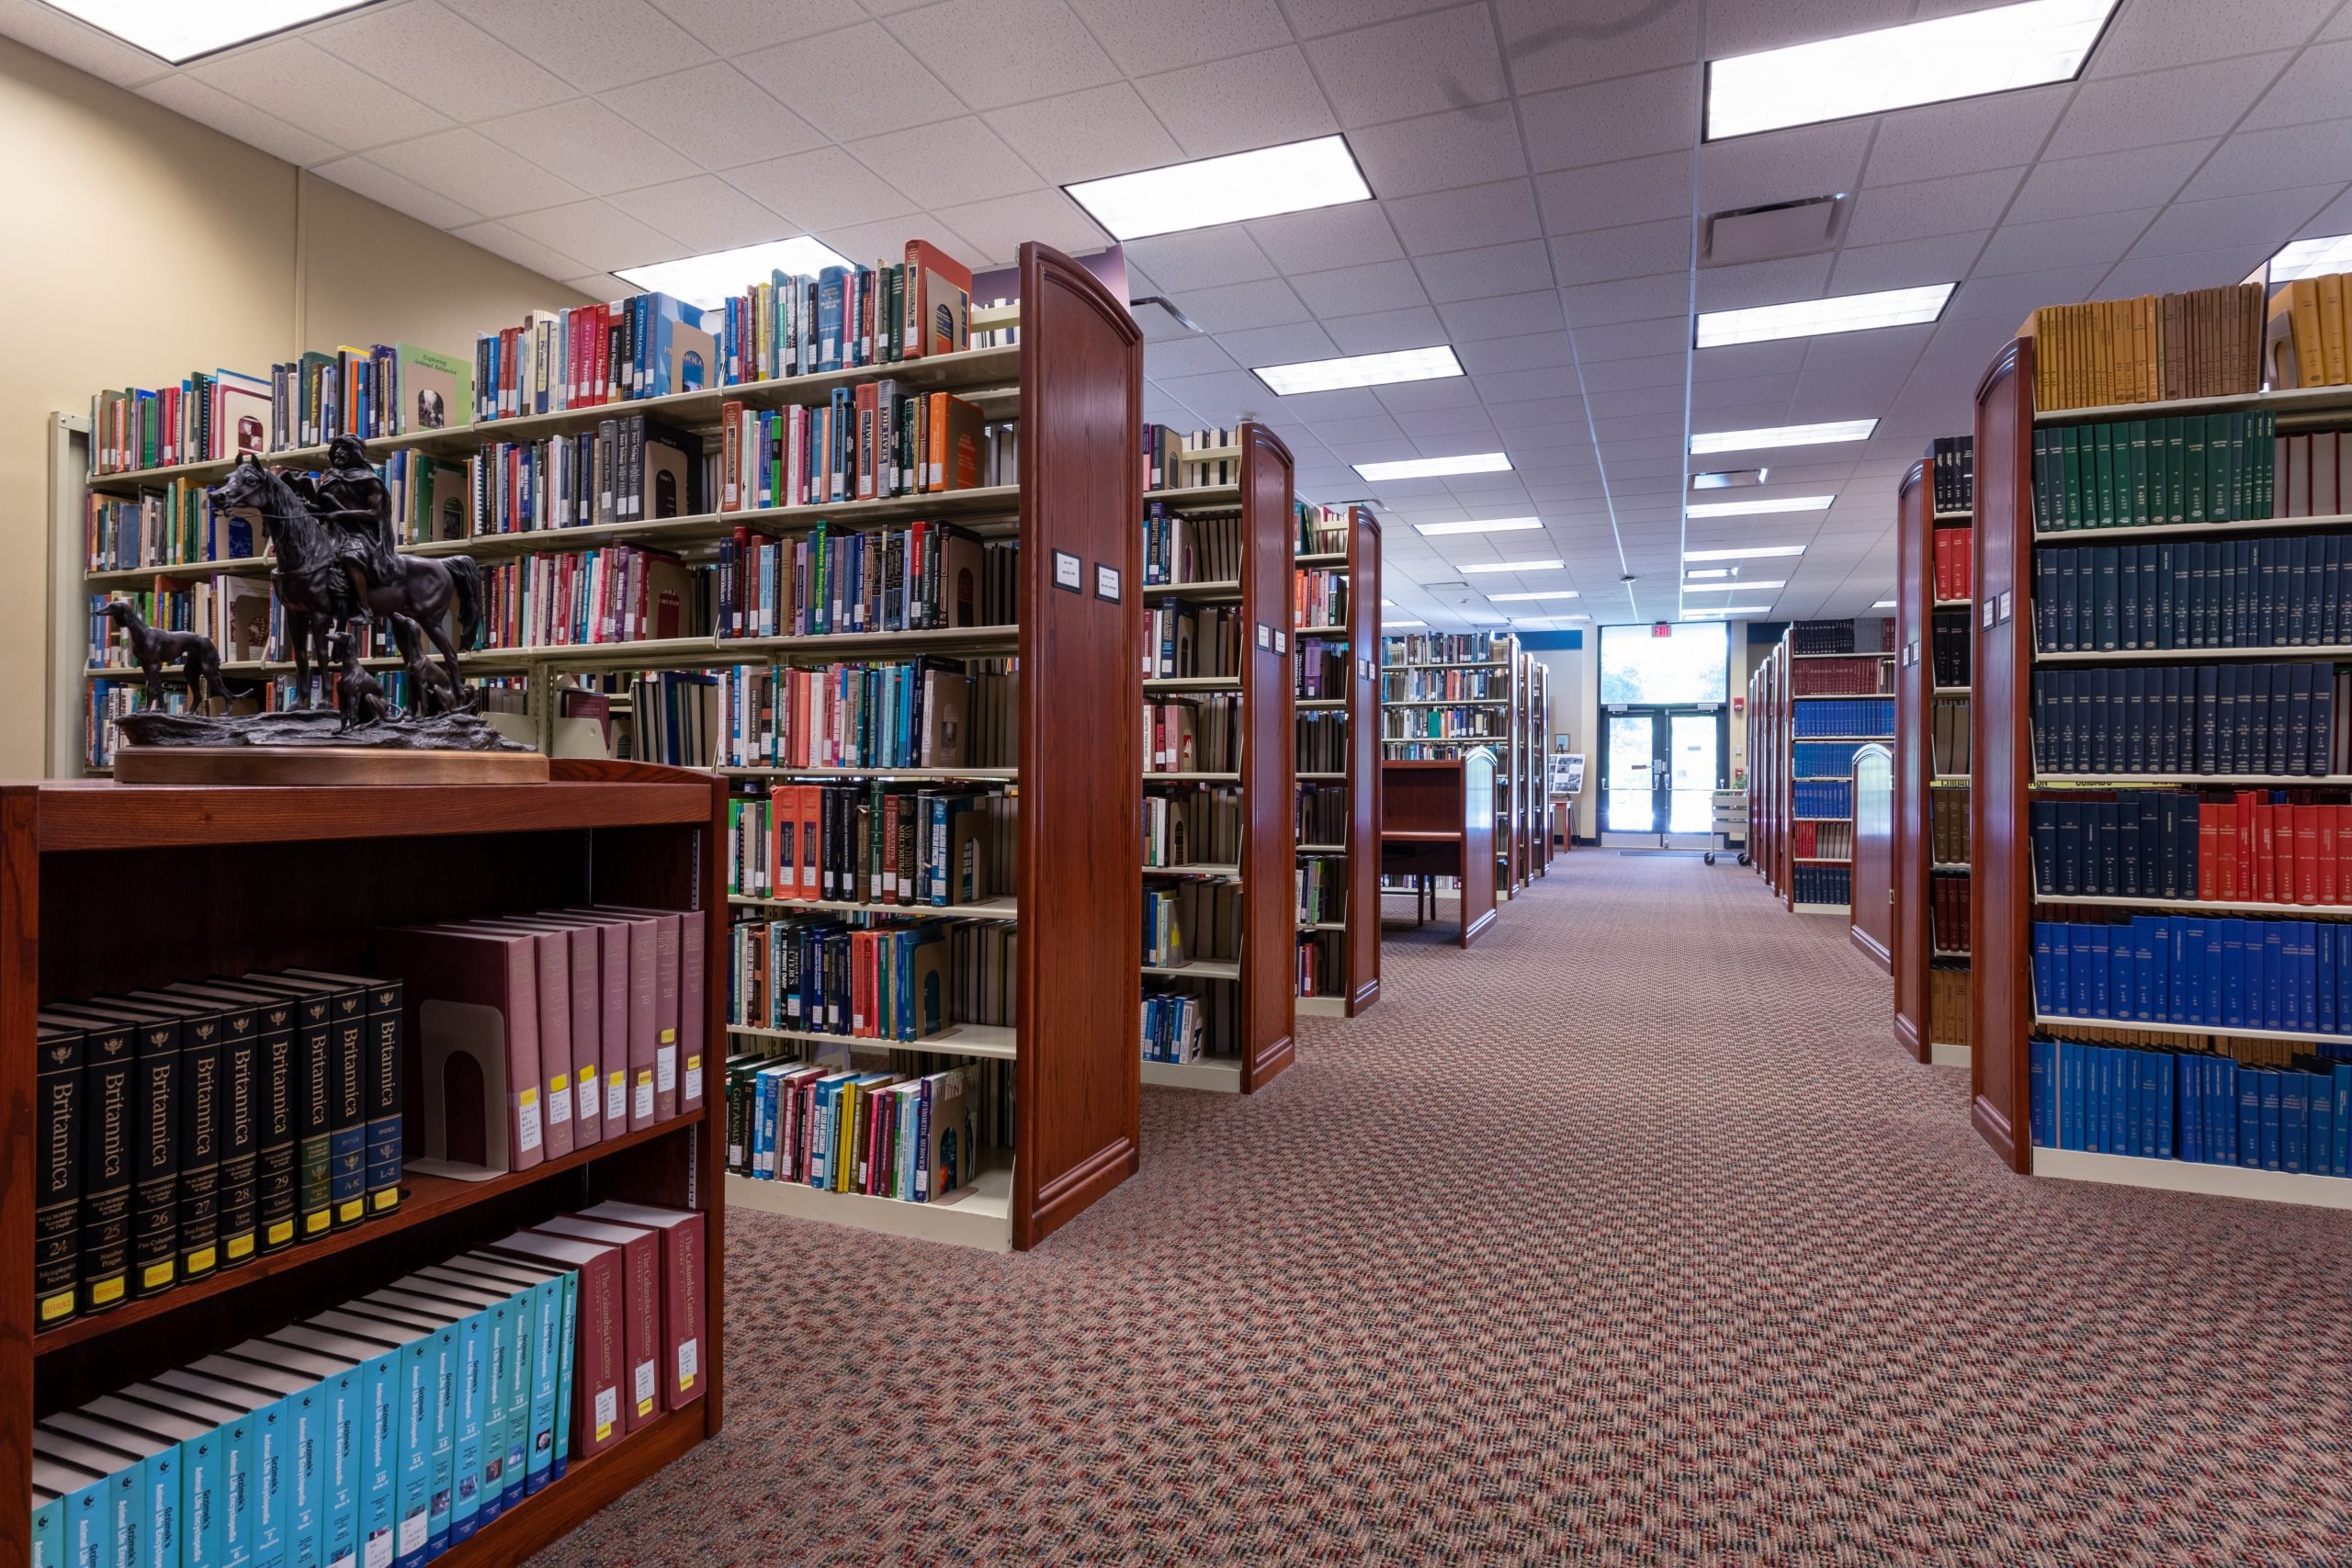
(1883, 604)
(1292, 177)
(1814, 318)
(1705, 573)
(1729, 478)
(1513, 566)
(1490, 525)
(1733, 587)
(2310, 258)
(1360, 370)
(1730, 610)
(1783, 435)
(1967, 56)
(1387, 624)
(711, 280)
(180, 30)
(1750, 552)
(1434, 467)
(1524, 598)
(1743, 508)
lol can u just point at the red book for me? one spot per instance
(678, 951)
(2209, 848)
(2243, 803)
(2328, 881)
(2307, 854)
(679, 1234)
(1966, 583)
(472, 1003)
(644, 1029)
(600, 1353)
(2343, 852)
(640, 1255)
(2265, 852)
(1943, 563)
(2282, 853)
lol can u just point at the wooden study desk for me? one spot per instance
(1437, 819)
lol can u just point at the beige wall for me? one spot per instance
(147, 246)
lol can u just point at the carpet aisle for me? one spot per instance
(1626, 1236)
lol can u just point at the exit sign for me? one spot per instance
(1662, 628)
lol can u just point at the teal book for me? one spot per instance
(378, 1460)
(428, 1381)
(101, 1523)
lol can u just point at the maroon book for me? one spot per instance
(680, 1233)
(598, 1361)
(641, 1253)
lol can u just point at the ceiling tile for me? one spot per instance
(1218, 397)
(1949, 206)
(1744, 27)
(1553, 45)
(2162, 106)
(1615, 193)
(1494, 269)
(1329, 236)
(732, 26)
(1468, 217)
(1549, 418)
(1285, 345)
(1469, 319)
(715, 114)
(1358, 290)
(1419, 65)
(1383, 332)
(1627, 299)
(604, 237)
(2150, 35)
(1533, 351)
(186, 95)
(1185, 356)
(309, 89)
(78, 44)
(704, 213)
(821, 189)
(2001, 131)
(1139, 35)
(1312, 18)
(1654, 363)
(947, 161)
(2106, 182)
(1598, 255)
(1089, 135)
(1632, 116)
(886, 237)
(379, 184)
(1316, 408)
(2010, 300)
(1766, 283)
(1203, 258)
(2316, 86)
(428, 52)
(2276, 160)
(856, 82)
(2099, 239)
(500, 241)
(994, 52)
(1253, 100)
(583, 142)
(1414, 396)
(592, 44)
(2191, 269)
(595, 285)
(999, 227)
(2264, 218)
(1439, 151)
(1864, 269)
(1235, 307)
(1783, 165)
(2334, 219)
(468, 167)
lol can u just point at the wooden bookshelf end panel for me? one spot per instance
(1079, 1069)
(1269, 985)
(1914, 698)
(1362, 938)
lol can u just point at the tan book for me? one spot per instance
(2331, 326)
(2311, 347)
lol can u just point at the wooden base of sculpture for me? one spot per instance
(321, 765)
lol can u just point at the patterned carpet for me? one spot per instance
(1625, 1237)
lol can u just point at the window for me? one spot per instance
(1690, 665)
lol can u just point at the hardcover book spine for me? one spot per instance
(381, 1067)
(58, 1129)
(155, 1252)
(314, 1106)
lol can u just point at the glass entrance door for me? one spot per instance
(1694, 765)
(1630, 773)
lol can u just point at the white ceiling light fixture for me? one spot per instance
(2311, 258)
(1523, 598)
(1386, 625)
(1816, 318)
(1513, 566)
(1967, 56)
(1434, 467)
(1747, 508)
(1701, 574)
(1730, 610)
(1292, 177)
(1733, 587)
(181, 30)
(711, 280)
(1489, 526)
(1883, 604)
(1360, 370)
(1783, 435)
(1747, 552)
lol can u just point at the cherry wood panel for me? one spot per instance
(1362, 941)
(1269, 1000)
(1438, 819)
(2000, 997)
(19, 965)
(1914, 522)
(1081, 692)
(1869, 881)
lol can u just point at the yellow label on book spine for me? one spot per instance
(353, 1209)
(155, 1274)
(240, 1246)
(317, 1221)
(57, 1306)
(202, 1260)
(668, 1037)
(281, 1233)
(389, 1198)
(106, 1290)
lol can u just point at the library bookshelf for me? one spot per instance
(1931, 702)
(1535, 746)
(1811, 782)
(1347, 980)
(1259, 975)
(303, 877)
(1768, 827)
(2006, 1014)
(1426, 716)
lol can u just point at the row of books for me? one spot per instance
(1821, 884)
(207, 417)
(2213, 468)
(1822, 798)
(1190, 921)
(828, 976)
(169, 526)
(1323, 668)
(1322, 814)
(2206, 342)
(796, 324)
(1319, 530)
(1951, 469)
(1400, 683)
(2305, 341)
(1823, 758)
(1947, 829)
(1193, 826)
(926, 712)
(2111, 1099)
(1861, 717)
(1322, 742)
(913, 1136)
(1861, 676)
(1440, 647)
(1430, 723)
(1868, 634)
(2314, 475)
(1821, 840)
(919, 577)
(1175, 1024)
(871, 843)
(392, 1425)
(1948, 1008)
(2204, 719)
(1187, 641)
(1952, 913)
(1322, 965)
(1179, 547)
(648, 346)
(2222, 974)
(1166, 464)
(1955, 563)
(865, 443)
(630, 469)
(2271, 592)
(1322, 889)
(1947, 648)
(1198, 734)
(2251, 846)
(1949, 729)
(189, 1128)
(1318, 601)
(620, 593)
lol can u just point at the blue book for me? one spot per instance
(2044, 1069)
(830, 323)
(2221, 1126)
(2340, 1162)
(443, 1350)
(2142, 937)
(2272, 1105)
(2319, 1096)
(484, 1378)
(2123, 1110)
(2061, 998)
(2305, 936)
(2161, 1078)
(375, 1469)
(2095, 1101)
(2123, 970)
(535, 1302)
(2144, 1116)
(2188, 1096)
(185, 1470)
(67, 1501)
(2188, 971)
(145, 1498)
(2324, 973)
(422, 1356)
(2209, 991)
(276, 1435)
(2070, 1094)
(299, 1456)
(2294, 1121)
(102, 1511)
(239, 1518)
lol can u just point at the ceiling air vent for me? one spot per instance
(1767, 234)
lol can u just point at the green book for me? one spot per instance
(2270, 463)
(2175, 471)
(2071, 459)
(2103, 437)
(2193, 470)
(2137, 509)
(2217, 467)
